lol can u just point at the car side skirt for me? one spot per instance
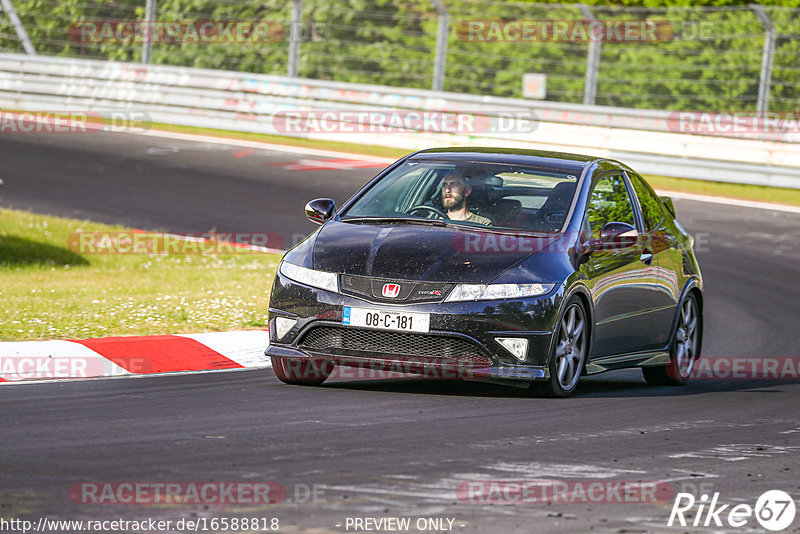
(635, 359)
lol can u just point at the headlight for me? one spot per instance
(497, 291)
(310, 277)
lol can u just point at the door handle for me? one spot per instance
(646, 257)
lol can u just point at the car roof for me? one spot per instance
(560, 161)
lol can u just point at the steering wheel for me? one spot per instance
(430, 209)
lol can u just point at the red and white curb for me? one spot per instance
(132, 355)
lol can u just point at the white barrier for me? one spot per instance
(645, 139)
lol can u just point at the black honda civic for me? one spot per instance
(521, 267)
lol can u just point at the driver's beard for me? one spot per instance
(457, 203)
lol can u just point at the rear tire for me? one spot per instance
(684, 350)
(568, 355)
(301, 372)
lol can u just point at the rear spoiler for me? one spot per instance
(668, 203)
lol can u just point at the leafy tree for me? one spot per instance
(707, 58)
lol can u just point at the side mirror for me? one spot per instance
(613, 235)
(618, 235)
(320, 210)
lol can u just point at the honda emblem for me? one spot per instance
(391, 290)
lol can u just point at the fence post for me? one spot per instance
(592, 60)
(149, 20)
(441, 45)
(765, 80)
(8, 7)
(295, 34)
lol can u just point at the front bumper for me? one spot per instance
(440, 369)
(466, 331)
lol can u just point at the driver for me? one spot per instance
(455, 191)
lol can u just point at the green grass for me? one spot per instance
(50, 292)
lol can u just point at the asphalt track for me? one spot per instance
(389, 448)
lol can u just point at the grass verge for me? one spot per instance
(50, 292)
(759, 193)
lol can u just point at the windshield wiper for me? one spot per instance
(401, 220)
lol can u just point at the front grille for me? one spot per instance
(401, 345)
(410, 291)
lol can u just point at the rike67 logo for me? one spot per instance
(774, 510)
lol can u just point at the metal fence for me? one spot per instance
(733, 58)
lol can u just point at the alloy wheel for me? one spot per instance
(570, 347)
(686, 339)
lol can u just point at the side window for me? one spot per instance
(609, 201)
(648, 200)
(388, 197)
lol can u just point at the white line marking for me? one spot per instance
(336, 154)
(548, 470)
(736, 452)
(731, 201)
(263, 146)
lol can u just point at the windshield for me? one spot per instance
(488, 195)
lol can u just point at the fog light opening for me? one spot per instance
(518, 347)
(283, 325)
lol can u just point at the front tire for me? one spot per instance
(569, 352)
(684, 350)
(301, 372)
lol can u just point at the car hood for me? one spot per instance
(415, 252)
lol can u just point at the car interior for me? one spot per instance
(509, 199)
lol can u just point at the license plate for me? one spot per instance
(386, 320)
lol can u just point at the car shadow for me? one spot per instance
(429, 386)
(625, 383)
(19, 252)
(630, 383)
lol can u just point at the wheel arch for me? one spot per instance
(695, 290)
(692, 286)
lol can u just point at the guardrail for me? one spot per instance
(649, 140)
